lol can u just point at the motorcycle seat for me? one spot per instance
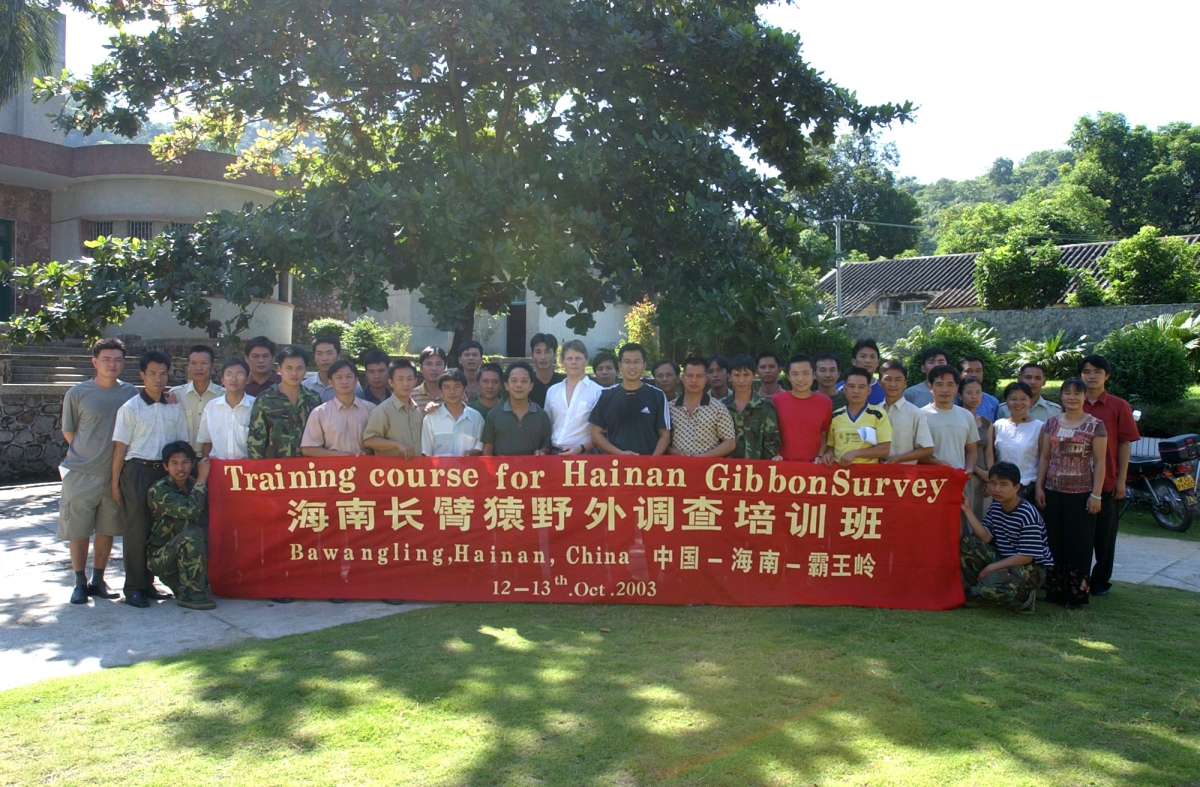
(1145, 465)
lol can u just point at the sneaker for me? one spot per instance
(196, 602)
(1027, 607)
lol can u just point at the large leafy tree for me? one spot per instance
(1067, 213)
(27, 44)
(473, 148)
(862, 189)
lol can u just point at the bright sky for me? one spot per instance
(990, 79)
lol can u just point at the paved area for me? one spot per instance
(43, 636)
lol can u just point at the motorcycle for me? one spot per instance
(1165, 485)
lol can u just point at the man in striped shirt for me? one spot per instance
(1005, 557)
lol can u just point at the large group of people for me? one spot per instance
(1040, 505)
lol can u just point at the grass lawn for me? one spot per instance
(483, 694)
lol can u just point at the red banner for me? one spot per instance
(587, 529)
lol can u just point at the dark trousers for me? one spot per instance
(1071, 533)
(136, 479)
(1106, 541)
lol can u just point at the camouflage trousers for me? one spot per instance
(1005, 586)
(182, 564)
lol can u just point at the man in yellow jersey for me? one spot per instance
(860, 433)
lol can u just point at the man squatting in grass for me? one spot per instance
(1005, 557)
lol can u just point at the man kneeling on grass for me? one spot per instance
(1005, 557)
(177, 551)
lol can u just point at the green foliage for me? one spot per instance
(1059, 355)
(1065, 214)
(862, 185)
(363, 335)
(1148, 268)
(828, 335)
(28, 43)
(1087, 291)
(398, 337)
(1016, 276)
(329, 326)
(641, 326)
(580, 149)
(1148, 366)
(958, 338)
(1182, 327)
(1146, 177)
(1170, 419)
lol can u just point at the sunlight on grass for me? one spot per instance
(508, 695)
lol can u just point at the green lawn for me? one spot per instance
(481, 694)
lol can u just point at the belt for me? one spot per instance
(146, 462)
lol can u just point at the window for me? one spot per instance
(180, 226)
(97, 229)
(141, 229)
(912, 307)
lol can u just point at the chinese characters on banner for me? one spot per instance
(595, 529)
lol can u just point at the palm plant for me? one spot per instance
(27, 44)
(1057, 354)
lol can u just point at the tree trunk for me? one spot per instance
(467, 331)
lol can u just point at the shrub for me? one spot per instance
(817, 339)
(1058, 354)
(1087, 291)
(641, 326)
(399, 336)
(1016, 276)
(363, 335)
(328, 326)
(1148, 268)
(1168, 420)
(1148, 367)
(958, 338)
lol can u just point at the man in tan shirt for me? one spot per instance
(336, 427)
(394, 427)
(431, 362)
(198, 391)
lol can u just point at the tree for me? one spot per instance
(1015, 275)
(1065, 214)
(1148, 268)
(28, 43)
(862, 186)
(1147, 177)
(578, 148)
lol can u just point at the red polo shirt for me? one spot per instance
(1117, 416)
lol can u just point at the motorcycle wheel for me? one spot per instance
(1172, 511)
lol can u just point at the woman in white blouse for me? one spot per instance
(570, 402)
(1017, 438)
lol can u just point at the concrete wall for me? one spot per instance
(1096, 322)
(609, 324)
(272, 319)
(31, 441)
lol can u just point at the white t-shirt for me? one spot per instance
(226, 427)
(569, 422)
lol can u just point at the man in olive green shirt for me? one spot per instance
(394, 427)
(517, 427)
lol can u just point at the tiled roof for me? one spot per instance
(949, 278)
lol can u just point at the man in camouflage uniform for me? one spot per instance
(278, 417)
(177, 550)
(754, 417)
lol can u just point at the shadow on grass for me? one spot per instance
(539, 694)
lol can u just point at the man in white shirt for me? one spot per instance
(199, 390)
(570, 402)
(453, 429)
(145, 424)
(1033, 375)
(225, 423)
(911, 439)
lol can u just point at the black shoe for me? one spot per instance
(283, 600)
(154, 594)
(137, 598)
(337, 601)
(101, 591)
(395, 602)
(79, 595)
(1101, 592)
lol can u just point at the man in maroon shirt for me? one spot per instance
(1122, 430)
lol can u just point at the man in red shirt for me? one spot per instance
(1117, 416)
(804, 414)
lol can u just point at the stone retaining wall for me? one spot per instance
(31, 441)
(1096, 322)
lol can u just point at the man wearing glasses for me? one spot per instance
(225, 423)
